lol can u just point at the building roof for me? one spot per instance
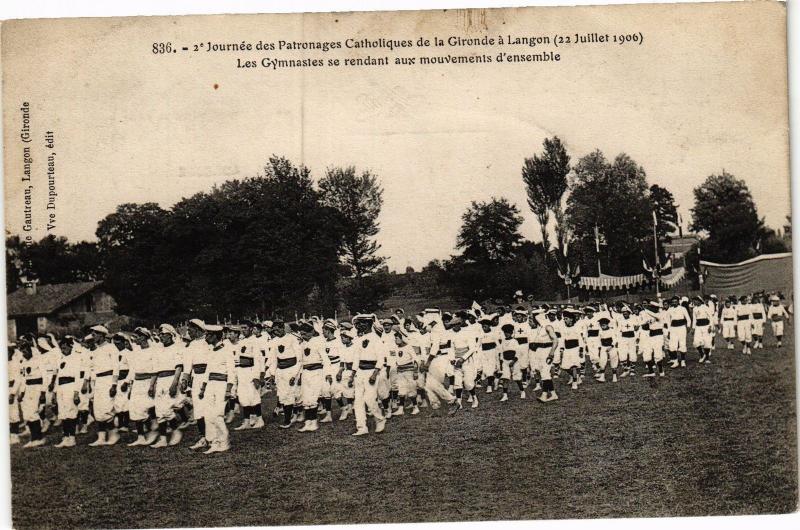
(48, 298)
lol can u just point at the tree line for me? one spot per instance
(606, 219)
(272, 243)
(278, 243)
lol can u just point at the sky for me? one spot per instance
(698, 96)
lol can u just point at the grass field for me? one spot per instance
(718, 439)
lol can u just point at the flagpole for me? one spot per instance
(657, 266)
(597, 247)
(700, 271)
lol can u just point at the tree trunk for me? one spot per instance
(543, 220)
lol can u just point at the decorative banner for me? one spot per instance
(674, 278)
(604, 282)
(768, 272)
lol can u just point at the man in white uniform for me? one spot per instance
(217, 390)
(68, 386)
(776, 314)
(104, 373)
(368, 362)
(678, 325)
(744, 328)
(728, 322)
(702, 319)
(285, 363)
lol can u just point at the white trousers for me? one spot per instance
(366, 398)
(216, 430)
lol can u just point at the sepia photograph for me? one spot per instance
(445, 265)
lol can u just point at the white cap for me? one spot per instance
(199, 323)
(100, 329)
(167, 328)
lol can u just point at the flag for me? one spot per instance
(597, 238)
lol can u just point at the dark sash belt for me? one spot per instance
(246, 362)
(628, 334)
(199, 368)
(142, 376)
(123, 374)
(408, 367)
(333, 360)
(593, 333)
(65, 380)
(444, 345)
(678, 323)
(537, 345)
(702, 322)
(758, 316)
(571, 343)
(348, 366)
(656, 332)
(486, 346)
(287, 363)
(216, 376)
(312, 366)
(777, 318)
(105, 374)
(522, 340)
(743, 317)
(606, 341)
(34, 381)
(367, 365)
(509, 355)
(166, 373)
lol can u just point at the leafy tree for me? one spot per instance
(489, 232)
(545, 180)
(495, 258)
(247, 247)
(725, 210)
(525, 270)
(769, 242)
(358, 199)
(612, 198)
(131, 242)
(51, 260)
(663, 204)
(13, 263)
(365, 294)
(258, 246)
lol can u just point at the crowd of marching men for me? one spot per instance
(152, 383)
